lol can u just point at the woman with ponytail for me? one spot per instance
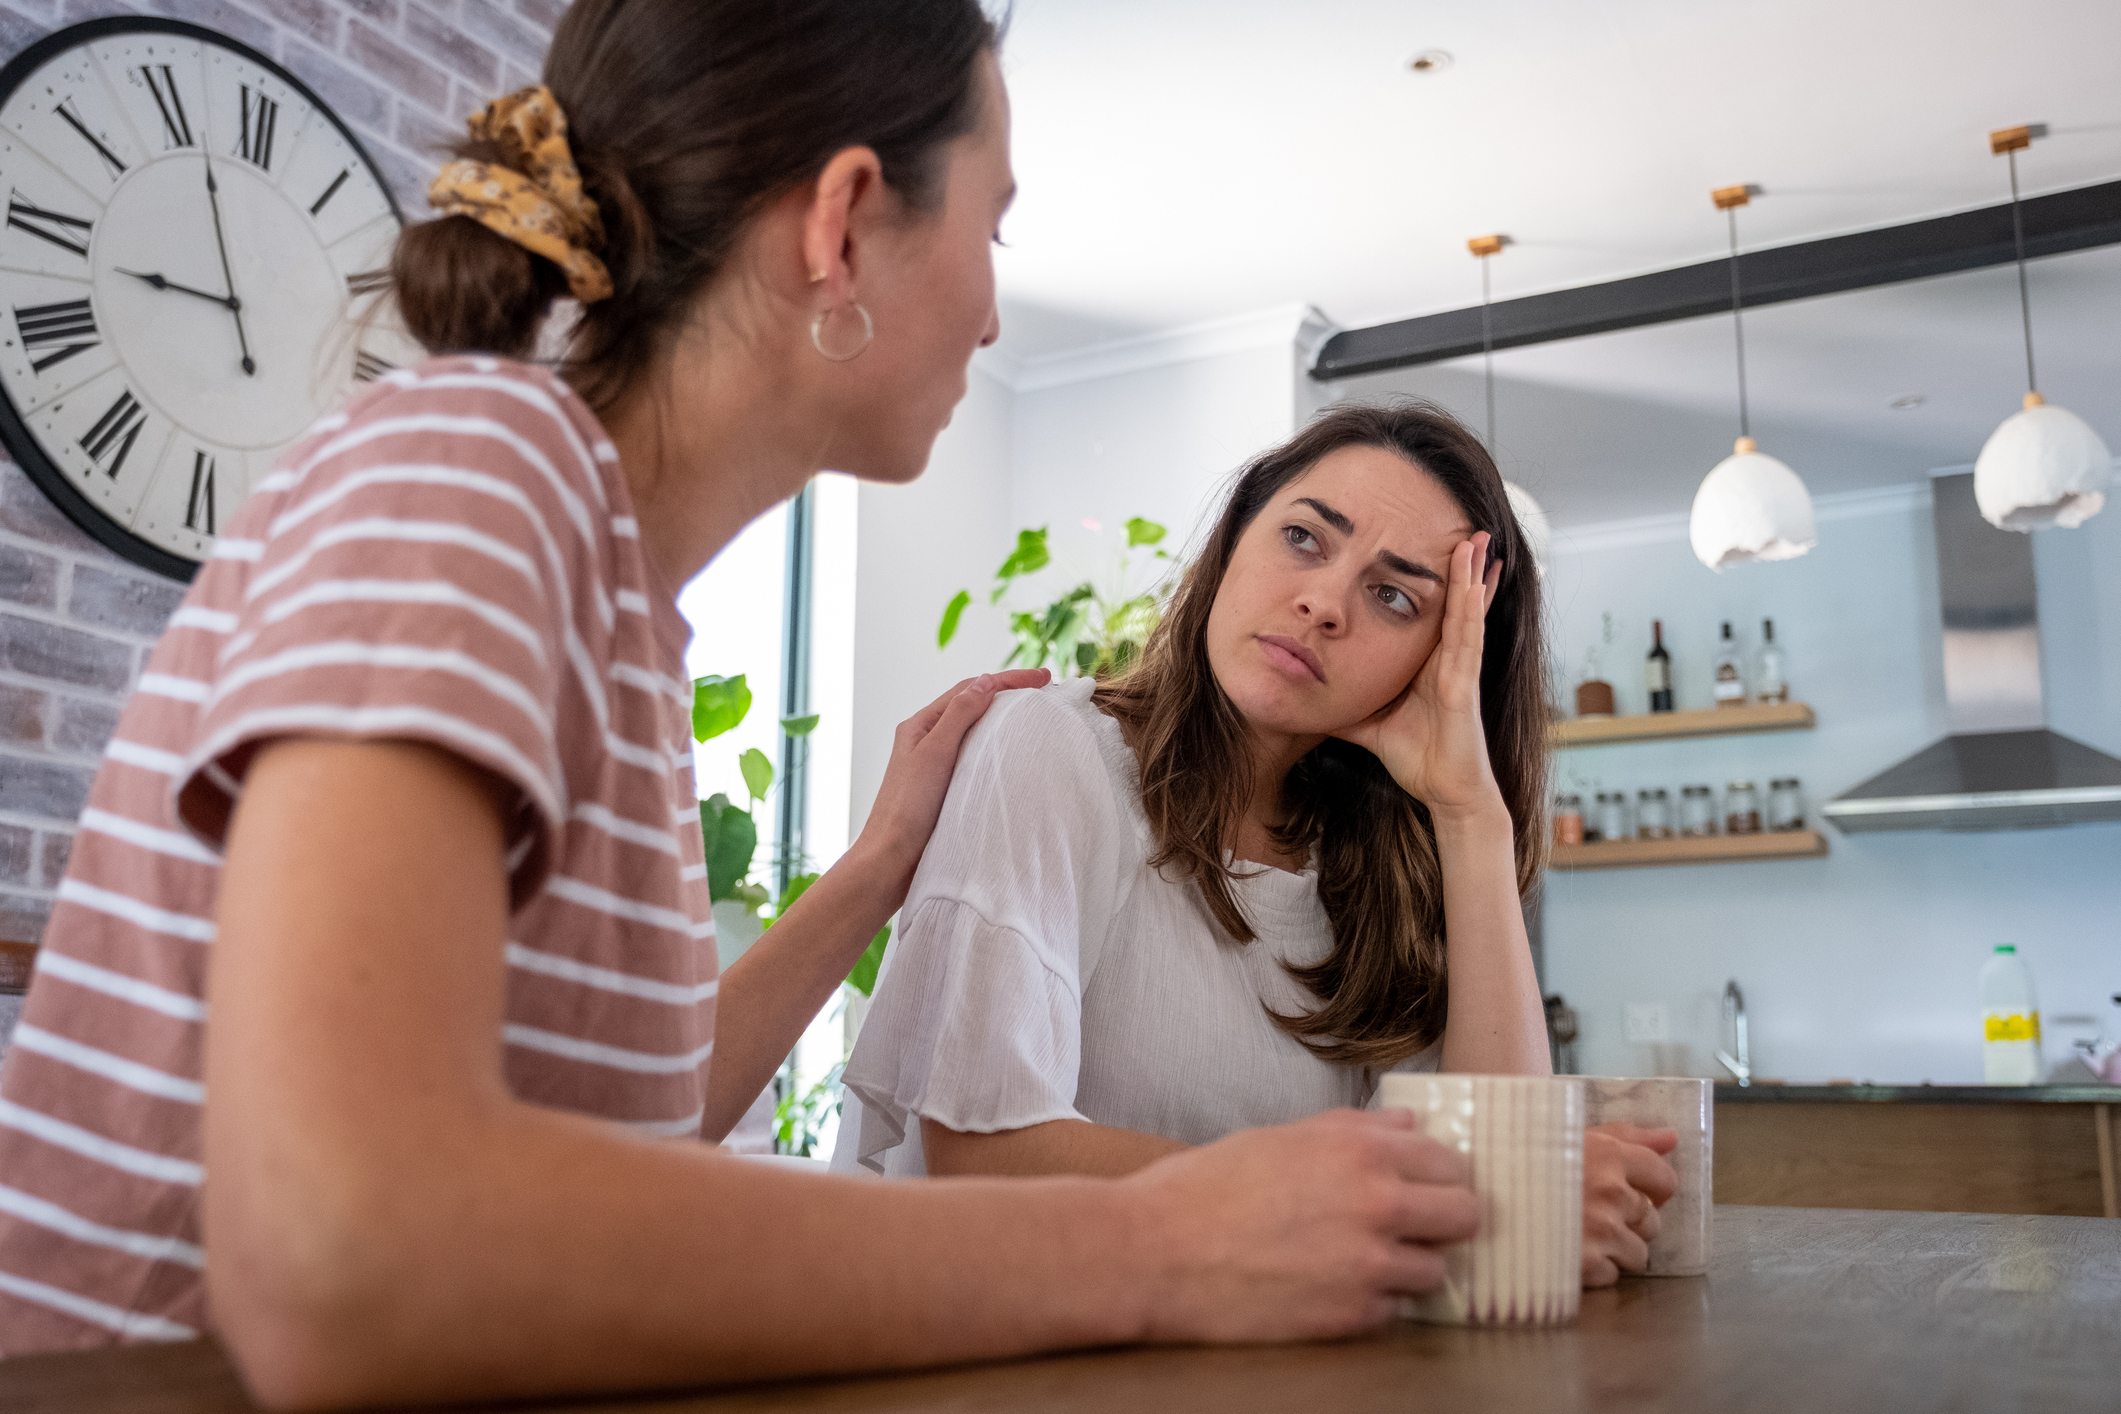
(376, 1031)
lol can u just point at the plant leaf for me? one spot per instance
(797, 887)
(799, 726)
(863, 977)
(1143, 532)
(731, 839)
(951, 614)
(1028, 557)
(718, 704)
(758, 772)
(751, 895)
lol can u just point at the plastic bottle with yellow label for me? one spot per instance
(2010, 1020)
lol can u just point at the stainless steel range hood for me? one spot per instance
(2001, 768)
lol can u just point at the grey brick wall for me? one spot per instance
(77, 622)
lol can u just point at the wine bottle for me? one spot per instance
(1730, 671)
(1659, 672)
(1769, 685)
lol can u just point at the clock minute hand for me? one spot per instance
(235, 306)
(161, 283)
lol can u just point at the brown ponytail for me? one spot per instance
(687, 118)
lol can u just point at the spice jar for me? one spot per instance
(1653, 814)
(1785, 805)
(1613, 816)
(1568, 819)
(1697, 812)
(1741, 808)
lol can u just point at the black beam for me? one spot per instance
(2055, 223)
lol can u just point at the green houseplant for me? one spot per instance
(1086, 631)
(730, 835)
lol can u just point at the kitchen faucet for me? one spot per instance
(1734, 1026)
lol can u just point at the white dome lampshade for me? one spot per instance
(1533, 521)
(1751, 507)
(2043, 467)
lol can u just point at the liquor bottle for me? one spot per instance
(1768, 683)
(1730, 671)
(1659, 673)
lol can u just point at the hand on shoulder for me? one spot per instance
(923, 758)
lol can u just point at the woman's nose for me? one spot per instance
(1320, 612)
(994, 328)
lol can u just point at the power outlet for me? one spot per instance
(1646, 1022)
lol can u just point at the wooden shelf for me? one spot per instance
(1671, 726)
(1716, 849)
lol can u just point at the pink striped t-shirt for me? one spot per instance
(452, 559)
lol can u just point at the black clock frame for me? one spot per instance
(15, 435)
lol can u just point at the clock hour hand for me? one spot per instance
(235, 306)
(225, 301)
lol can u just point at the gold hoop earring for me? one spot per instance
(817, 334)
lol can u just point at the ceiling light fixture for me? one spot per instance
(1530, 517)
(1750, 506)
(2043, 467)
(1431, 61)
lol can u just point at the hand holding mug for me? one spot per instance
(1302, 1231)
(1625, 1182)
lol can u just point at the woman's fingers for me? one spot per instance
(975, 694)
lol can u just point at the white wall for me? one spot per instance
(1862, 965)
(915, 546)
(1158, 442)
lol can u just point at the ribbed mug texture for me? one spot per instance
(1523, 1138)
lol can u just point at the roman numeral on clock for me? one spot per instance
(115, 432)
(49, 225)
(177, 126)
(367, 282)
(331, 191)
(110, 159)
(367, 368)
(260, 116)
(66, 329)
(202, 492)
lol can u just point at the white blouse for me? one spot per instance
(1042, 970)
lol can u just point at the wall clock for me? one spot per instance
(191, 246)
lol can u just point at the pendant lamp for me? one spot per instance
(2043, 467)
(1750, 506)
(1538, 534)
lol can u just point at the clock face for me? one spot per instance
(190, 245)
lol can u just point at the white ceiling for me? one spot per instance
(1187, 160)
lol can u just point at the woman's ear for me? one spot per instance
(851, 181)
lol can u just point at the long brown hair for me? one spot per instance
(1381, 990)
(686, 118)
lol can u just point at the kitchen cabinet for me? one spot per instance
(1921, 1148)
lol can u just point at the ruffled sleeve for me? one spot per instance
(977, 1021)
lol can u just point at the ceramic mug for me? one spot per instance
(1522, 1136)
(1682, 1246)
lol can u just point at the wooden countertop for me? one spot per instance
(1803, 1309)
(1759, 1093)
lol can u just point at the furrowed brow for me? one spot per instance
(1327, 514)
(1408, 567)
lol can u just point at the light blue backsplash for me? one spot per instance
(1862, 965)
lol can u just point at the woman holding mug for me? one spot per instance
(388, 913)
(1282, 854)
